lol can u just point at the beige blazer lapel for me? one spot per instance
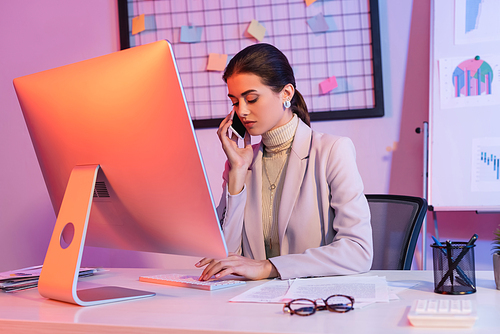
(296, 169)
(253, 208)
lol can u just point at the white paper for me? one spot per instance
(396, 287)
(485, 171)
(366, 289)
(476, 21)
(270, 292)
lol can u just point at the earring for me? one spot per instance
(287, 104)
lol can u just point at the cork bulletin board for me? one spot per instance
(332, 45)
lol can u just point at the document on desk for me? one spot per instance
(269, 292)
(365, 290)
(396, 287)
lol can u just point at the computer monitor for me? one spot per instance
(118, 152)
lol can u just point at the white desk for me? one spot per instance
(182, 310)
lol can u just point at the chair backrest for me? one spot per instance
(396, 222)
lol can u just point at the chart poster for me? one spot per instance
(485, 171)
(469, 81)
(476, 21)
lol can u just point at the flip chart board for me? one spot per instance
(464, 119)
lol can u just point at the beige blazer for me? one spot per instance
(324, 218)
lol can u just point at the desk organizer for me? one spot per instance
(454, 270)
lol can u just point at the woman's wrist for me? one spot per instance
(236, 180)
(270, 269)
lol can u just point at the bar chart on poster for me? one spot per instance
(464, 106)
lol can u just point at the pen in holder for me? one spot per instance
(454, 269)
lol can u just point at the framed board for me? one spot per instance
(327, 39)
(464, 119)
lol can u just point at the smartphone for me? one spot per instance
(237, 127)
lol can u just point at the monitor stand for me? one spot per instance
(59, 276)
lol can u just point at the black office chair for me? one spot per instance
(396, 224)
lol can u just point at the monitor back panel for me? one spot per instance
(126, 112)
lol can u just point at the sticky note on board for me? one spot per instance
(138, 24)
(256, 30)
(191, 34)
(216, 62)
(331, 23)
(328, 85)
(392, 148)
(308, 2)
(318, 23)
(150, 22)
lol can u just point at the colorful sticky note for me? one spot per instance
(150, 22)
(328, 85)
(392, 148)
(191, 34)
(138, 24)
(216, 62)
(343, 86)
(256, 30)
(308, 2)
(331, 23)
(318, 23)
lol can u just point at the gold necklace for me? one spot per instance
(272, 185)
(272, 188)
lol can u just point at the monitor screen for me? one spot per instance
(126, 113)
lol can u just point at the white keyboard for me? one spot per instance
(187, 281)
(443, 313)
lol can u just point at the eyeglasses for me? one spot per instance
(334, 303)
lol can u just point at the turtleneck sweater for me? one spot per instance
(277, 145)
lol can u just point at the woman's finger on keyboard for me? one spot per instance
(238, 265)
(203, 262)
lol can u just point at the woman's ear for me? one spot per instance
(288, 91)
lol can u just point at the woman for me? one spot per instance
(292, 205)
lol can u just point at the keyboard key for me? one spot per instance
(421, 306)
(455, 307)
(432, 306)
(466, 306)
(444, 306)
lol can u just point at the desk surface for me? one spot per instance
(183, 310)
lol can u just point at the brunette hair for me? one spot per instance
(272, 66)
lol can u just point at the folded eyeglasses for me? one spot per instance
(334, 303)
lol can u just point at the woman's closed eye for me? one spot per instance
(251, 98)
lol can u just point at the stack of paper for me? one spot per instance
(365, 290)
(27, 278)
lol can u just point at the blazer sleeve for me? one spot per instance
(351, 248)
(231, 210)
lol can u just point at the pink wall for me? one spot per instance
(38, 35)
(43, 34)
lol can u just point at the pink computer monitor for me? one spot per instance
(125, 116)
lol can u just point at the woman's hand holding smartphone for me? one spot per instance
(239, 158)
(237, 127)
